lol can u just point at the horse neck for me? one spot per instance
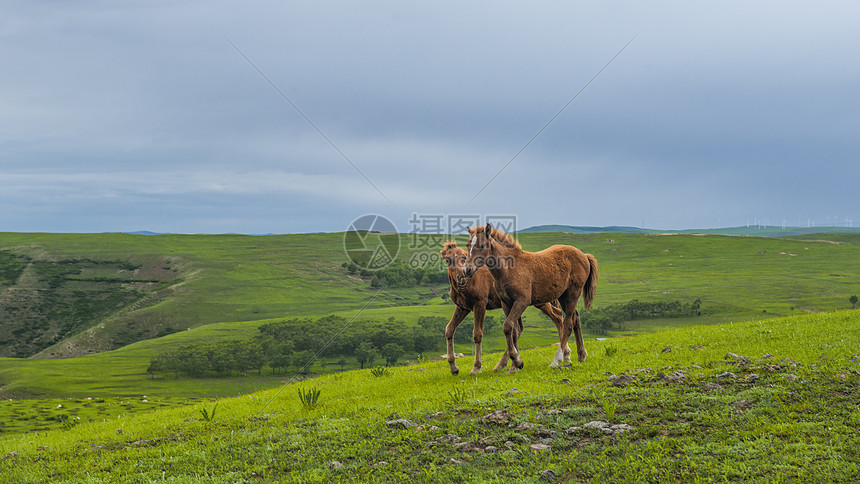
(501, 251)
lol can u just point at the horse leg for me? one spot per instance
(512, 333)
(577, 332)
(457, 318)
(573, 324)
(563, 353)
(477, 335)
(503, 361)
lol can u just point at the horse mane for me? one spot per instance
(505, 239)
(449, 244)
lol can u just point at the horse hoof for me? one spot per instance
(455, 371)
(475, 372)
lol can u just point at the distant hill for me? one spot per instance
(756, 231)
(583, 229)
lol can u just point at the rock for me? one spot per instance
(400, 422)
(545, 433)
(380, 464)
(667, 349)
(741, 360)
(539, 447)
(743, 404)
(565, 381)
(513, 391)
(620, 428)
(486, 441)
(713, 386)
(455, 462)
(597, 424)
(526, 426)
(697, 347)
(499, 417)
(468, 447)
(751, 377)
(510, 444)
(491, 448)
(393, 416)
(727, 375)
(622, 380)
(548, 475)
(791, 377)
(766, 356)
(545, 441)
(335, 465)
(572, 430)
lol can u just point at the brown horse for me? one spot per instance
(523, 278)
(477, 294)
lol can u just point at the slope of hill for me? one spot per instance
(184, 281)
(753, 231)
(760, 401)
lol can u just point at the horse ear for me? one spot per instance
(488, 230)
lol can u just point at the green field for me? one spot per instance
(775, 400)
(791, 413)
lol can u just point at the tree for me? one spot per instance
(365, 353)
(392, 352)
(853, 301)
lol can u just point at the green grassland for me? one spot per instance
(223, 287)
(768, 400)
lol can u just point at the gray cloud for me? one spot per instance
(717, 113)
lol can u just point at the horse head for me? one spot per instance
(455, 258)
(480, 249)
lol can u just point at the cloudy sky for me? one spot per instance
(124, 116)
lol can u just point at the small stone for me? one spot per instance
(565, 381)
(597, 424)
(545, 433)
(498, 417)
(727, 375)
(743, 404)
(697, 347)
(667, 349)
(766, 356)
(620, 428)
(393, 416)
(380, 464)
(526, 426)
(513, 391)
(548, 475)
(539, 447)
(791, 377)
(491, 448)
(455, 462)
(751, 377)
(401, 422)
(713, 386)
(622, 380)
(510, 444)
(118, 431)
(572, 430)
(335, 465)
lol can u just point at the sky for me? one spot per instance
(289, 117)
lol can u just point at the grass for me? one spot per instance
(796, 420)
(235, 278)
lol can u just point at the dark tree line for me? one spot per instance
(295, 343)
(603, 319)
(400, 275)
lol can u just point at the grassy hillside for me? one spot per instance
(185, 281)
(761, 401)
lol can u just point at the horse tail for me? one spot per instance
(591, 282)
